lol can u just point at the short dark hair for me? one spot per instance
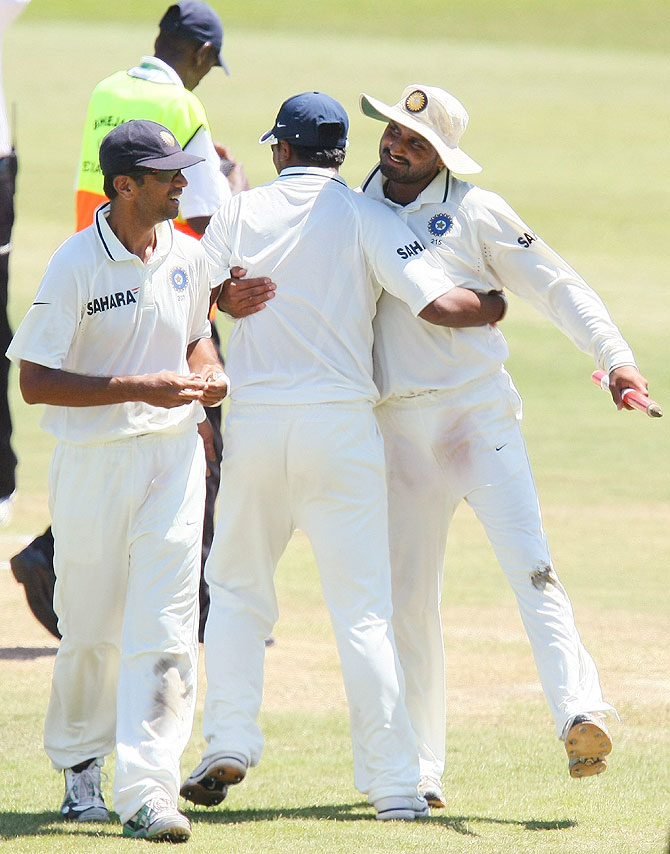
(327, 157)
(137, 176)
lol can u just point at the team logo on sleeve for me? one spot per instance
(440, 224)
(416, 101)
(178, 279)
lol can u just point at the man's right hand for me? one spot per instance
(240, 297)
(167, 389)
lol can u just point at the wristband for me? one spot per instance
(505, 303)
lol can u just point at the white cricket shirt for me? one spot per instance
(326, 248)
(482, 244)
(100, 311)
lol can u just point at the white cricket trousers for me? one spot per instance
(442, 447)
(127, 522)
(319, 468)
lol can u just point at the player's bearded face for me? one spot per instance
(407, 158)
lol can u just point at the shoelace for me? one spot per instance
(90, 779)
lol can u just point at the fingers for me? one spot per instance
(241, 297)
(620, 379)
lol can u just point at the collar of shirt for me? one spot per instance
(116, 251)
(318, 171)
(437, 191)
(156, 71)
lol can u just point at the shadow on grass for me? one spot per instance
(13, 824)
(26, 653)
(362, 811)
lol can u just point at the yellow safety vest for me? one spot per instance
(119, 99)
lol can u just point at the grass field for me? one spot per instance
(569, 116)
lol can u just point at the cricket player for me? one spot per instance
(159, 88)
(450, 414)
(302, 448)
(116, 344)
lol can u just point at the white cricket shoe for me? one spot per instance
(430, 788)
(587, 743)
(401, 809)
(160, 821)
(83, 799)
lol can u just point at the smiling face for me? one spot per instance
(408, 160)
(158, 194)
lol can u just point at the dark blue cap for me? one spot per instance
(142, 143)
(196, 21)
(312, 120)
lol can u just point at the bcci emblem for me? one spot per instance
(416, 101)
(179, 279)
(167, 138)
(440, 224)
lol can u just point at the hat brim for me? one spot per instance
(178, 160)
(222, 62)
(454, 158)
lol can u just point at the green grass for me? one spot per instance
(569, 115)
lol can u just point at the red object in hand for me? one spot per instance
(633, 398)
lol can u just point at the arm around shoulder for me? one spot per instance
(461, 307)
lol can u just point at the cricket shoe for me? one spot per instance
(159, 821)
(587, 743)
(430, 788)
(401, 809)
(83, 799)
(208, 785)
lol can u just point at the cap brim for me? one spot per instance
(453, 158)
(178, 160)
(268, 136)
(222, 63)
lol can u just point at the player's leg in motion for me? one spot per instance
(421, 505)
(158, 672)
(339, 493)
(508, 507)
(253, 528)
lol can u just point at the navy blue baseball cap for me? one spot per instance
(312, 120)
(142, 143)
(196, 21)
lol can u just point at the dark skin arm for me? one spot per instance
(167, 389)
(460, 307)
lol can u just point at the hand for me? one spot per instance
(207, 436)
(234, 170)
(168, 389)
(217, 385)
(241, 297)
(627, 376)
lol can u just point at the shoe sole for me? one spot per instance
(401, 815)
(91, 814)
(587, 746)
(212, 787)
(434, 800)
(167, 834)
